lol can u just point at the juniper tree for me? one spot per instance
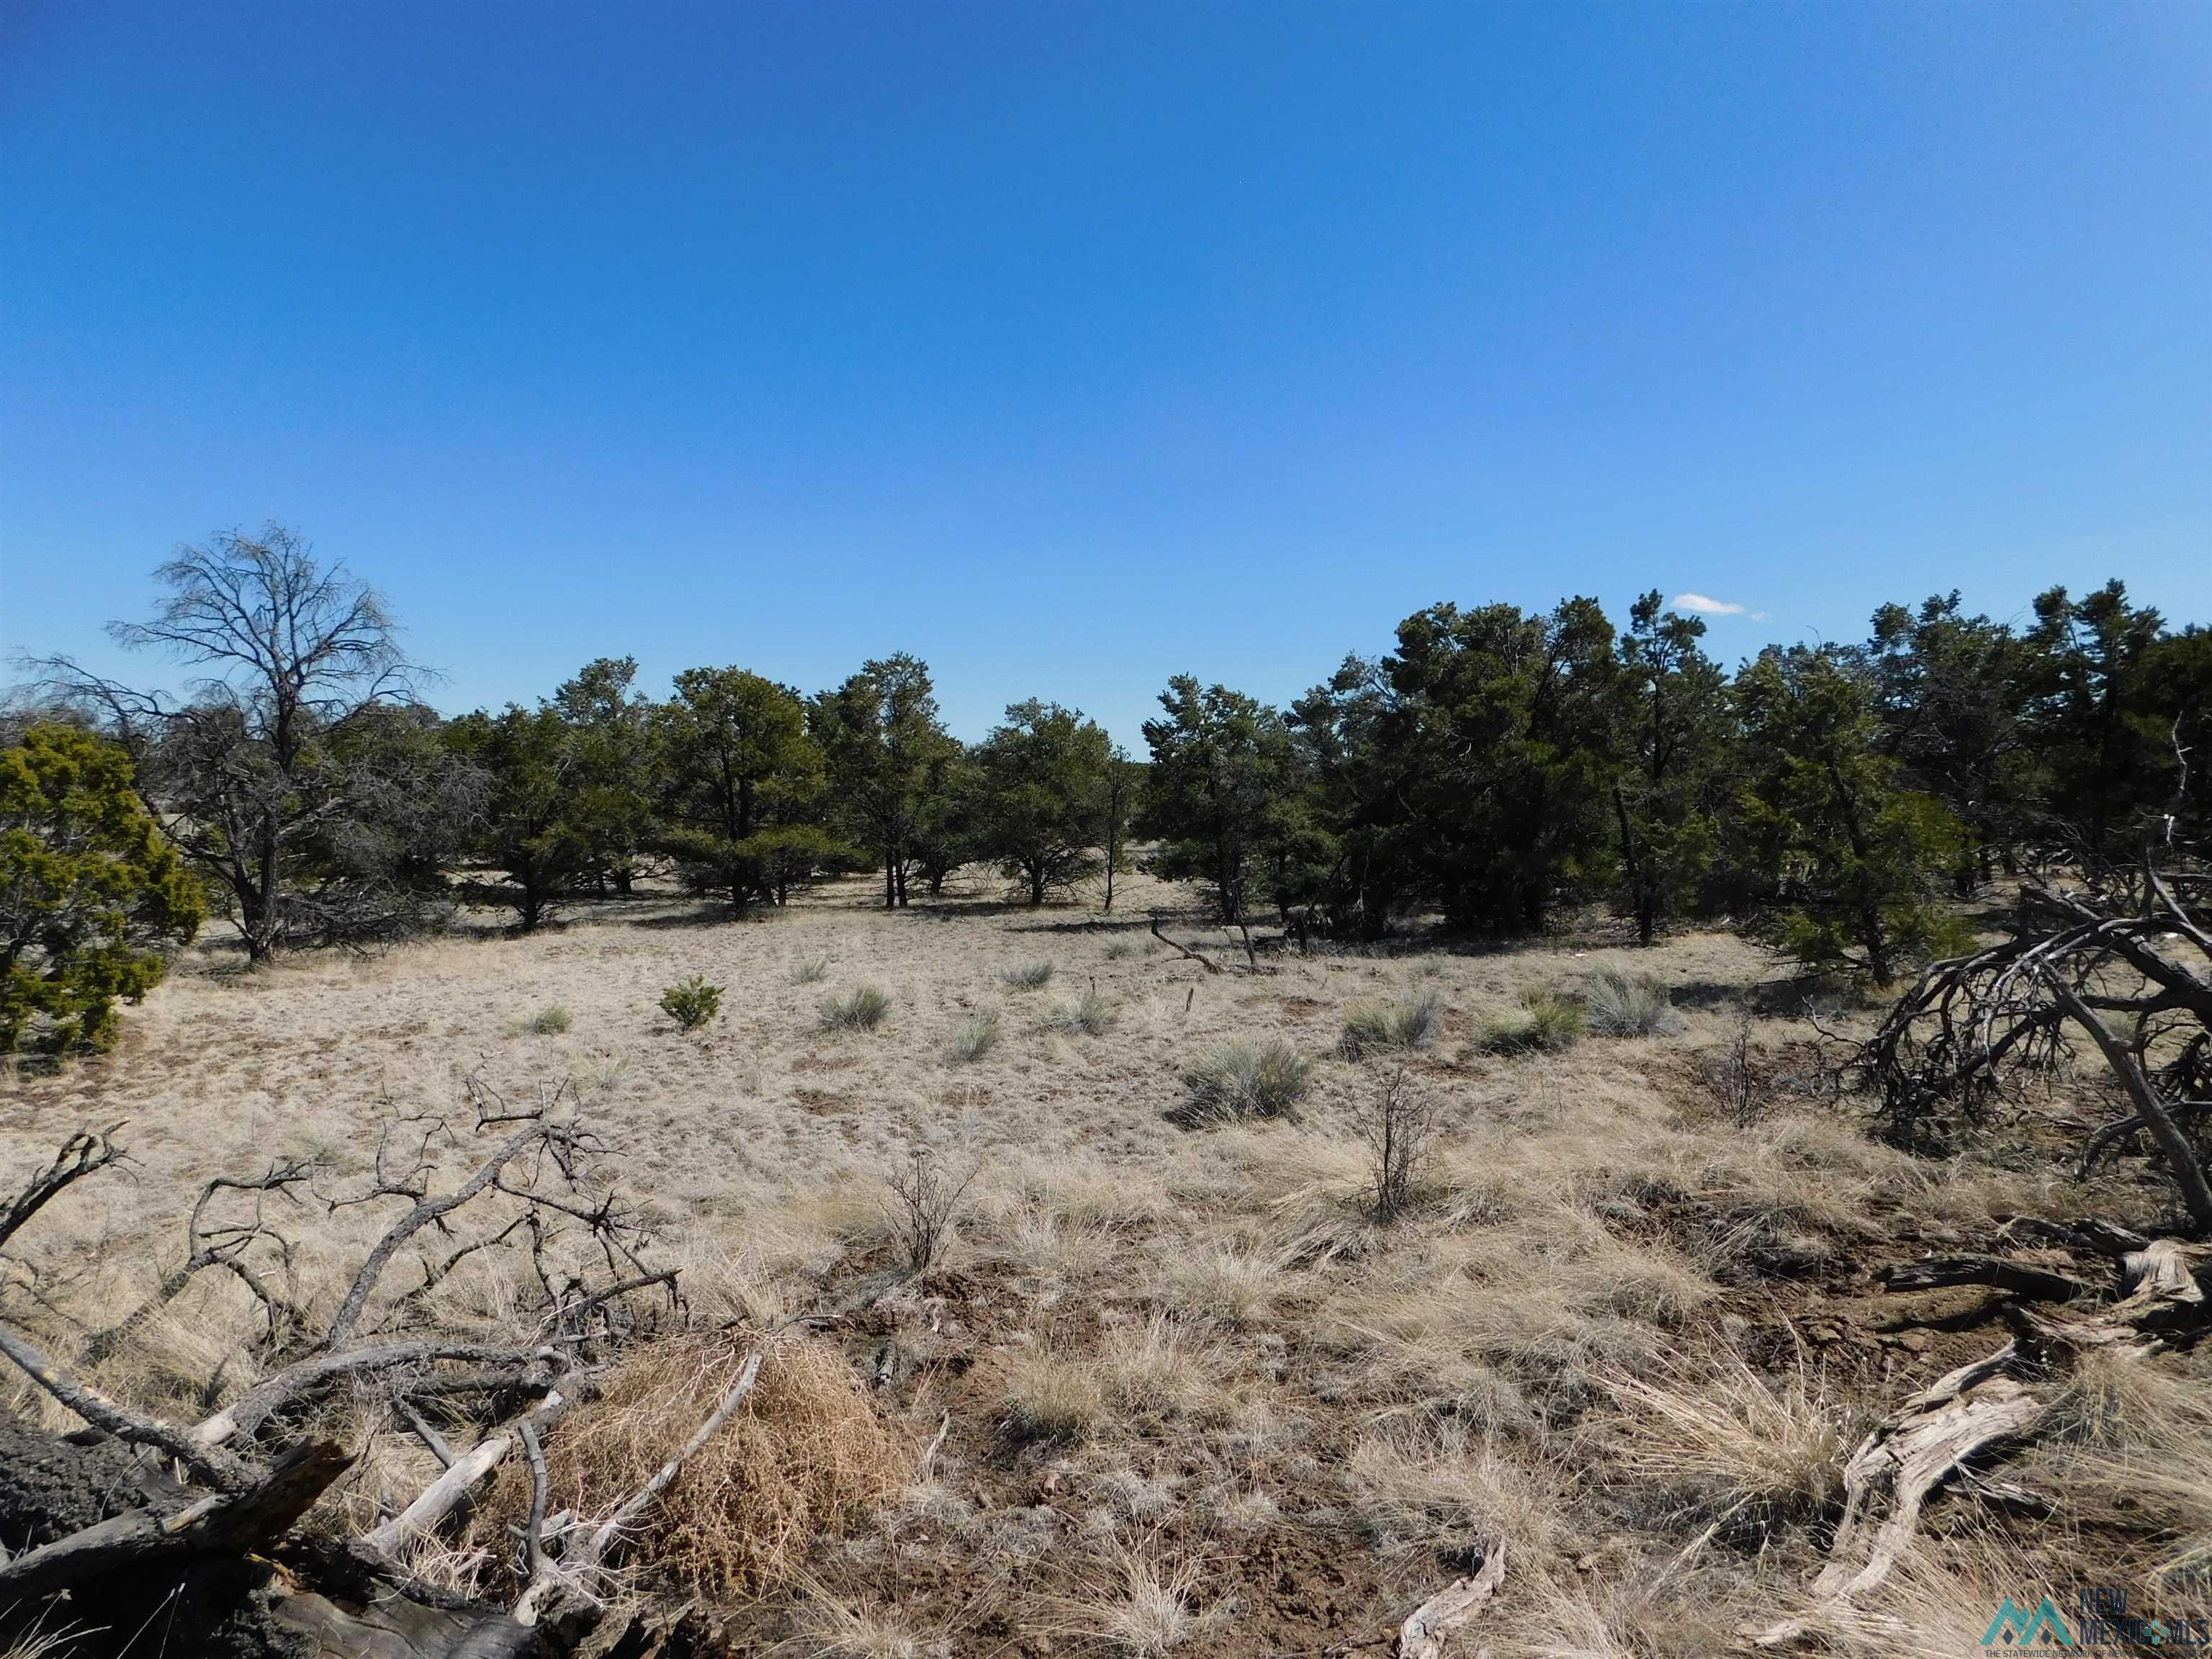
(92, 896)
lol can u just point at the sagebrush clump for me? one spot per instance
(691, 1002)
(1245, 1079)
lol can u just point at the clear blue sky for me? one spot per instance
(1073, 345)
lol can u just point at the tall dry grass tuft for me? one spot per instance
(1027, 976)
(1735, 1443)
(805, 1454)
(1141, 1603)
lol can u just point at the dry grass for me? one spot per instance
(1049, 1395)
(1207, 1334)
(1734, 1443)
(806, 1452)
(1141, 1602)
(1027, 976)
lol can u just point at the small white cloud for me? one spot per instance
(1703, 606)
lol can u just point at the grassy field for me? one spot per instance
(1169, 1385)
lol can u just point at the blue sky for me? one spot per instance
(1075, 345)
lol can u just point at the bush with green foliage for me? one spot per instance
(861, 1009)
(1545, 1023)
(1411, 1022)
(550, 1022)
(1244, 1079)
(691, 1002)
(91, 895)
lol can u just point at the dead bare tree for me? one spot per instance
(1397, 1128)
(210, 1494)
(2127, 967)
(923, 1198)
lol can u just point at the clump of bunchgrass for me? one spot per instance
(1734, 1444)
(691, 1002)
(1027, 976)
(861, 1009)
(1623, 1005)
(1244, 1079)
(1091, 1014)
(975, 1037)
(811, 972)
(1412, 1022)
(1050, 1396)
(549, 1022)
(1545, 1023)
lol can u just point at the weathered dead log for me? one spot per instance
(1936, 1272)
(141, 1541)
(311, 1376)
(1429, 1627)
(1184, 950)
(1889, 1479)
(201, 1457)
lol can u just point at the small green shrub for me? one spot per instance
(1244, 1079)
(1411, 1022)
(1027, 976)
(549, 1022)
(691, 1002)
(1546, 1022)
(861, 1009)
(976, 1037)
(1623, 1007)
(1090, 1014)
(812, 971)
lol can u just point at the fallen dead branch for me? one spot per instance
(1429, 1627)
(262, 1463)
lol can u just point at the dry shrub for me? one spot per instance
(802, 1454)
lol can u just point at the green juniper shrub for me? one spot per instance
(691, 1002)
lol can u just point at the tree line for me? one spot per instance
(1491, 769)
